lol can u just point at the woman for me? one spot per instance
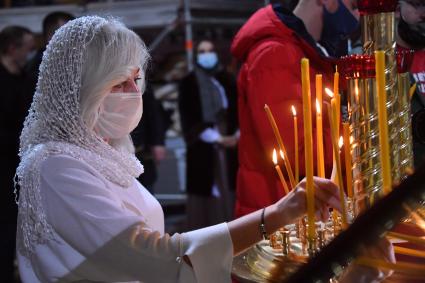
(207, 107)
(82, 214)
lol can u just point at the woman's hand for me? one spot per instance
(294, 205)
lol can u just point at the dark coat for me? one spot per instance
(200, 155)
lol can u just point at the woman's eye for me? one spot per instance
(137, 79)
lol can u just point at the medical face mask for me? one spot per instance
(337, 27)
(119, 114)
(207, 60)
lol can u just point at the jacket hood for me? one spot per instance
(262, 25)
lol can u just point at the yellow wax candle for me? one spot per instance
(297, 170)
(383, 121)
(347, 155)
(335, 147)
(279, 172)
(280, 143)
(334, 175)
(338, 98)
(308, 145)
(319, 128)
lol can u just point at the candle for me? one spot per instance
(308, 146)
(334, 175)
(347, 155)
(319, 138)
(335, 147)
(279, 172)
(383, 121)
(319, 128)
(280, 143)
(337, 98)
(297, 171)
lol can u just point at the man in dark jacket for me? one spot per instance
(270, 46)
(207, 105)
(15, 96)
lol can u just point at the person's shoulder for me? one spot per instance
(274, 52)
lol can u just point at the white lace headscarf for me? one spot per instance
(65, 109)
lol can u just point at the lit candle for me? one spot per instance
(336, 147)
(297, 171)
(308, 145)
(279, 172)
(334, 175)
(280, 143)
(383, 121)
(347, 155)
(319, 128)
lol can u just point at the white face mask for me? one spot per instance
(119, 114)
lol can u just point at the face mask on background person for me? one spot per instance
(337, 27)
(207, 60)
(119, 114)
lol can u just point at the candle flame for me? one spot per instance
(341, 141)
(274, 156)
(329, 92)
(318, 107)
(294, 111)
(282, 155)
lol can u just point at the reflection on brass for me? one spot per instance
(378, 34)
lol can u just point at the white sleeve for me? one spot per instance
(119, 245)
(210, 135)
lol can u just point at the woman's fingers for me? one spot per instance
(327, 192)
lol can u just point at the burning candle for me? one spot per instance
(280, 143)
(308, 146)
(336, 147)
(383, 121)
(279, 172)
(334, 175)
(297, 171)
(347, 155)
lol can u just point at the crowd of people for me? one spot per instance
(84, 185)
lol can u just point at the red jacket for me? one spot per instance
(271, 74)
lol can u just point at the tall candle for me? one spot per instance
(334, 175)
(337, 98)
(335, 147)
(383, 121)
(279, 172)
(297, 170)
(308, 145)
(319, 128)
(347, 155)
(280, 143)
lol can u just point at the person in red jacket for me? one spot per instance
(271, 45)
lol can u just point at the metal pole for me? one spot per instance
(266, 2)
(188, 33)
